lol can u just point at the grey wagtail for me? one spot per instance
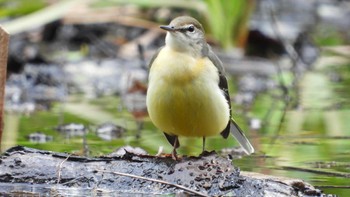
(187, 92)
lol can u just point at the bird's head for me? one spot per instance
(185, 34)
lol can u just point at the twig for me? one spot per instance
(296, 62)
(333, 186)
(155, 180)
(290, 50)
(75, 179)
(286, 99)
(337, 174)
(60, 168)
(283, 116)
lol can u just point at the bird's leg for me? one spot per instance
(203, 149)
(175, 145)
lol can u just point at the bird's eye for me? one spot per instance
(191, 28)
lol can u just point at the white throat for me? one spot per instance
(181, 46)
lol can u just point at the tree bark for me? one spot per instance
(4, 42)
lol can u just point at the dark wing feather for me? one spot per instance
(232, 126)
(171, 139)
(224, 87)
(222, 84)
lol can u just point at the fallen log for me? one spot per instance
(26, 171)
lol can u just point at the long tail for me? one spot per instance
(241, 138)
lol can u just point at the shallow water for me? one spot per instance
(313, 144)
(319, 159)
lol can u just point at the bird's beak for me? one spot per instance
(168, 28)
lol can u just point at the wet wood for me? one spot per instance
(208, 175)
(4, 42)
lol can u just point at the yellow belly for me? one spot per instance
(183, 96)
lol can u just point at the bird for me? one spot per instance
(187, 91)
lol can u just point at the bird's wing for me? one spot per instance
(222, 84)
(216, 61)
(232, 126)
(224, 87)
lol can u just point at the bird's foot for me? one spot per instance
(174, 155)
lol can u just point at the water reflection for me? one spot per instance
(313, 144)
(320, 159)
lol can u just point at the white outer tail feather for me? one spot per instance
(237, 132)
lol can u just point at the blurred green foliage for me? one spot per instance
(14, 8)
(228, 21)
(326, 36)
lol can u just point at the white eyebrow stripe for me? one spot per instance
(189, 25)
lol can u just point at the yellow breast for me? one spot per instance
(183, 96)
